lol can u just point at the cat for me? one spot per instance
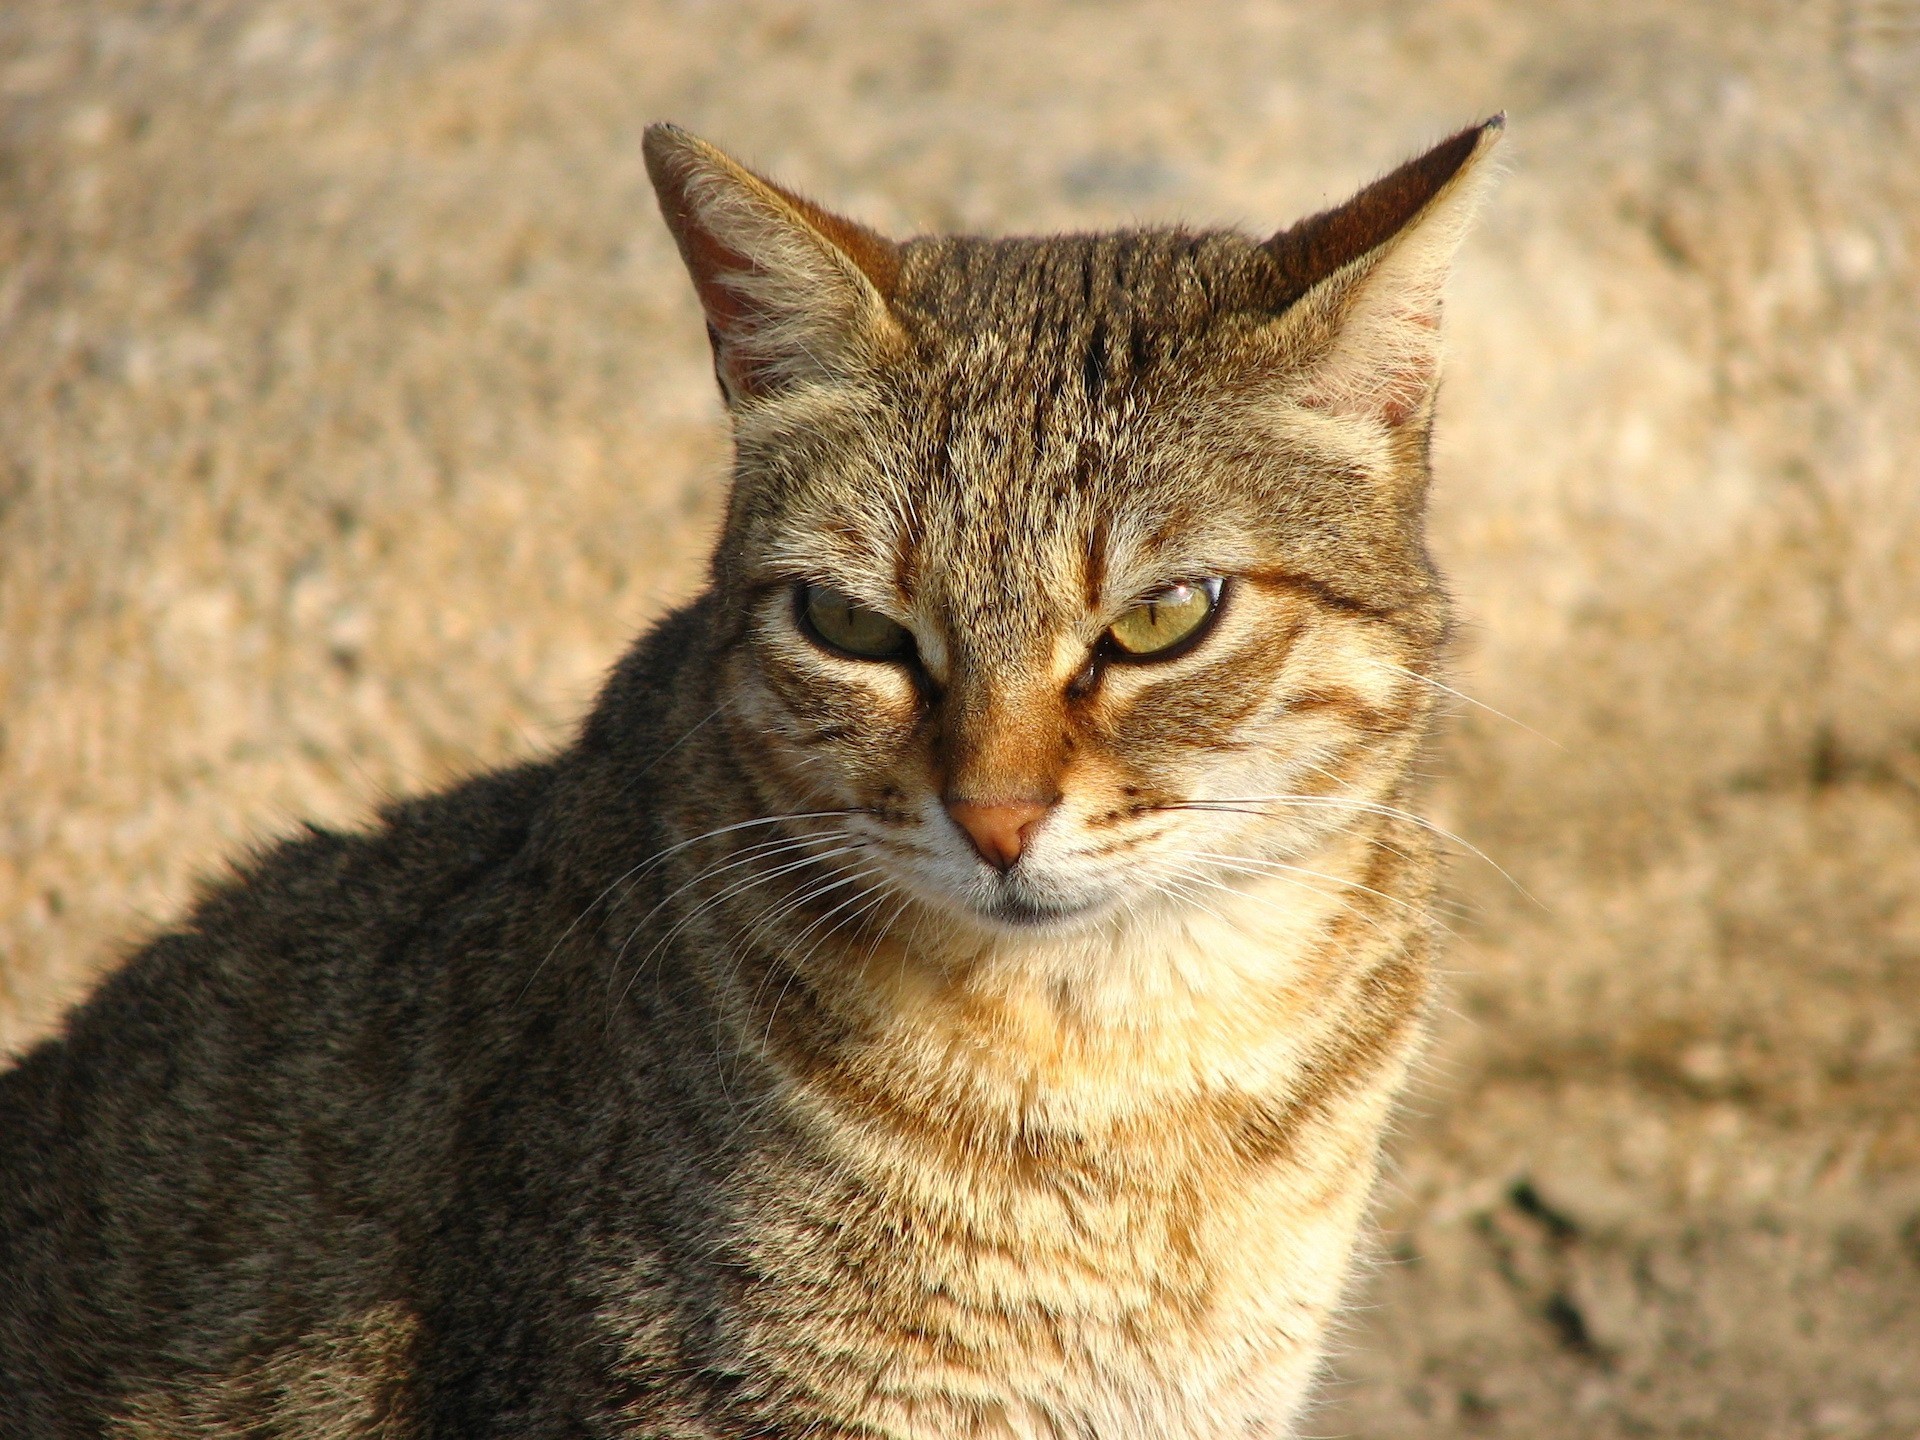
(955, 983)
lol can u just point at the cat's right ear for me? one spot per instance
(793, 294)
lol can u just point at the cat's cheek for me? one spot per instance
(1114, 788)
(854, 741)
(835, 697)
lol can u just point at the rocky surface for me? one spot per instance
(353, 413)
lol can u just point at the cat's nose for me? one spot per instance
(997, 829)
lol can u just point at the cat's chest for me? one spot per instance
(1002, 1227)
(1032, 1312)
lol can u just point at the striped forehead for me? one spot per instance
(1020, 475)
(1007, 560)
(1006, 520)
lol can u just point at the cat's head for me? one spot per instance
(1065, 572)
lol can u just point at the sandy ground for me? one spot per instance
(353, 414)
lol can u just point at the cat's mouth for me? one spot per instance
(1013, 902)
(1028, 914)
(1022, 899)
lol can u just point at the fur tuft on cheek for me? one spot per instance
(828, 728)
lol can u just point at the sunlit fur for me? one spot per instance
(703, 1081)
(1086, 1141)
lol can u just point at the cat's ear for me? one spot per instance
(1361, 282)
(792, 293)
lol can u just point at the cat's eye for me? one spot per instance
(851, 629)
(1165, 622)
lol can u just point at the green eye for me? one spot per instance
(836, 621)
(1166, 619)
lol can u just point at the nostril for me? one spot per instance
(999, 830)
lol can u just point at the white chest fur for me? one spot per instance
(1025, 1219)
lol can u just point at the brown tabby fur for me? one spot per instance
(705, 1081)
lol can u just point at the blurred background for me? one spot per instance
(354, 413)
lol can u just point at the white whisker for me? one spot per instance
(1195, 874)
(736, 888)
(1462, 695)
(872, 897)
(661, 855)
(1266, 865)
(1370, 807)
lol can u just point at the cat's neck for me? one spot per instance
(1233, 996)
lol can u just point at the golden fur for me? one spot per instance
(345, 1382)
(1095, 1176)
(717, 1077)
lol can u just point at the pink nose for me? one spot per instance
(998, 830)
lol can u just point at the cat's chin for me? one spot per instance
(1010, 910)
(1025, 916)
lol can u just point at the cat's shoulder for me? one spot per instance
(416, 851)
(300, 913)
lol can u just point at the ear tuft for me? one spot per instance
(792, 292)
(1361, 283)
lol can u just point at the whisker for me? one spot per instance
(670, 850)
(886, 927)
(734, 887)
(742, 886)
(878, 895)
(1367, 806)
(692, 730)
(1461, 695)
(1246, 865)
(759, 924)
(1214, 883)
(1181, 882)
(766, 850)
(1315, 874)
(1462, 909)
(738, 887)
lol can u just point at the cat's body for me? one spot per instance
(902, 1013)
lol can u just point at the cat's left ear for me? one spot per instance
(792, 292)
(1361, 283)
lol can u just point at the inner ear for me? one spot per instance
(791, 291)
(1310, 250)
(1361, 283)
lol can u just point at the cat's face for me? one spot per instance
(1068, 576)
(1067, 631)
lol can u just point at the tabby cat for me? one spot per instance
(954, 984)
